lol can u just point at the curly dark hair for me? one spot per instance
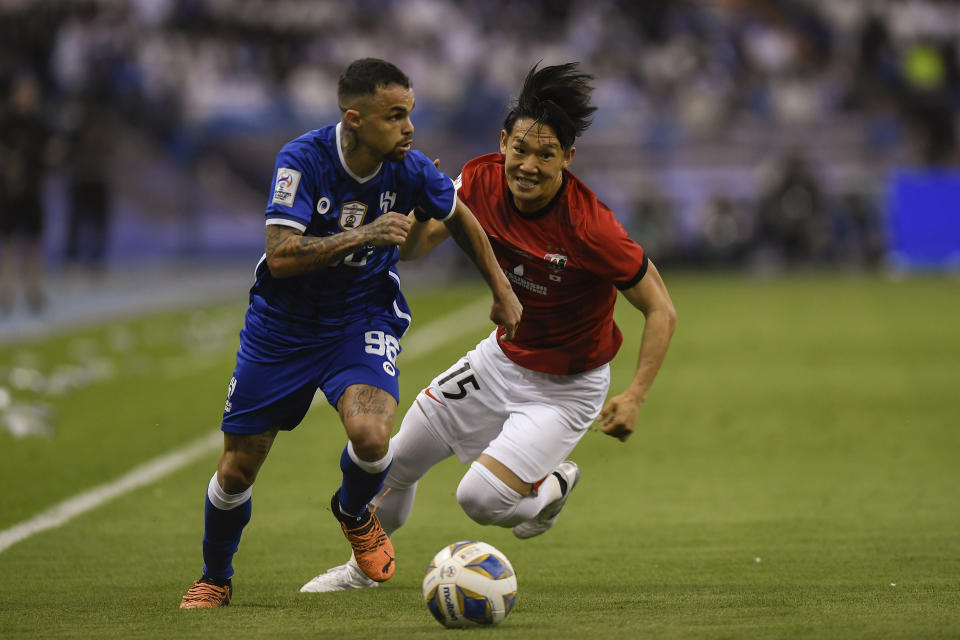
(558, 96)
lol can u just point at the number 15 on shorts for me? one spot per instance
(379, 343)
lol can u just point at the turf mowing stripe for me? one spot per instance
(447, 327)
(421, 342)
(145, 474)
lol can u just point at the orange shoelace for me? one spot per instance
(203, 592)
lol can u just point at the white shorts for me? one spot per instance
(529, 421)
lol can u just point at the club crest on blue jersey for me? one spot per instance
(352, 214)
(387, 198)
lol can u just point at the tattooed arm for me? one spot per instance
(290, 253)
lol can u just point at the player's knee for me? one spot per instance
(226, 500)
(241, 459)
(481, 502)
(237, 472)
(235, 478)
(370, 438)
(369, 448)
(474, 506)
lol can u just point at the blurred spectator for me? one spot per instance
(791, 215)
(928, 95)
(654, 225)
(88, 162)
(24, 154)
(679, 85)
(727, 231)
(858, 230)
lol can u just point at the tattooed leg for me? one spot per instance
(242, 457)
(367, 413)
(227, 507)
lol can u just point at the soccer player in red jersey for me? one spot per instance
(517, 409)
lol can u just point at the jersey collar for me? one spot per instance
(343, 162)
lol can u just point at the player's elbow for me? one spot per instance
(659, 312)
(670, 316)
(666, 318)
(280, 267)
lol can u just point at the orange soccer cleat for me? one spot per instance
(371, 546)
(204, 594)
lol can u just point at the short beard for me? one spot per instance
(396, 155)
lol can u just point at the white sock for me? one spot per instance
(223, 500)
(371, 467)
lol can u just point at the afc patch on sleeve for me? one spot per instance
(285, 189)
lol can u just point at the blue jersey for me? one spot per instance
(314, 191)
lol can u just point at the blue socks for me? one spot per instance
(225, 516)
(362, 480)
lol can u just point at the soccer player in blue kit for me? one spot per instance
(326, 312)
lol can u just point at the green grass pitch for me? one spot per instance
(795, 474)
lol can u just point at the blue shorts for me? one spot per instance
(276, 392)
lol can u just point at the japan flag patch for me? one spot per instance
(285, 189)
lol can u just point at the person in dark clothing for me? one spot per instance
(24, 140)
(88, 159)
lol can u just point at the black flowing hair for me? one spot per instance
(558, 96)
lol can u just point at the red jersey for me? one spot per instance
(565, 263)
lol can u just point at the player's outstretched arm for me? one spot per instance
(619, 416)
(472, 240)
(423, 237)
(290, 253)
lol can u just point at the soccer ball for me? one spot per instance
(469, 584)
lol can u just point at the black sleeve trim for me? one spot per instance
(421, 214)
(637, 278)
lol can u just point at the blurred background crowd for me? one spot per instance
(762, 135)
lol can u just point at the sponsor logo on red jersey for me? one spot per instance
(556, 261)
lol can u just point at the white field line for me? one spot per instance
(431, 336)
(145, 474)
